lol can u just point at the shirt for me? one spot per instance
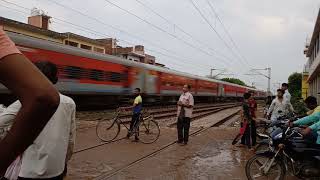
(253, 107)
(287, 96)
(138, 105)
(313, 119)
(186, 99)
(7, 47)
(279, 108)
(46, 157)
(246, 111)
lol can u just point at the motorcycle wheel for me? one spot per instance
(255, 164)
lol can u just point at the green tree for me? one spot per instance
(294, 81)
(234, 81)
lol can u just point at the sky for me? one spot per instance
(232, 36)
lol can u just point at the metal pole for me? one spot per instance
(269, 79)
(211, 70)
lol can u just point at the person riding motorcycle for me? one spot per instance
(313, 119)
(312, 105)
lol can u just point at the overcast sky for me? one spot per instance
(267, 33)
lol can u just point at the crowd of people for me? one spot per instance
(276, 108)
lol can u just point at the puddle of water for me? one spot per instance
(215, 161)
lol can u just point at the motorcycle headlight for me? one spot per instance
(278, 136)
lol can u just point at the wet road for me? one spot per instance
(208, 156)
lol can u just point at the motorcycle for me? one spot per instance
(266, 129)
(289, 153)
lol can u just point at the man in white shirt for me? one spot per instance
(287, 95)
(279, 107)
(185, 108)
(47, 157)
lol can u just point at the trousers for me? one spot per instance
(183, 126)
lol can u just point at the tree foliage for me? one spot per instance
(234, 81)
(294, 81)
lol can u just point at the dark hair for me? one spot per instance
(138, 89)
(49, 69)
(281, 90)
(246, 95)
(311, 100)
(189, 86)
(284, 85)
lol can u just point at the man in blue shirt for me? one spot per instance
(137, 108)
(314, 121)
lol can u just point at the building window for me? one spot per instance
(130, 59)
(71, 43)
(99, 50)
(83, 46)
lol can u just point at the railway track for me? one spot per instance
(160, 113)
(199, 112)
(155, 152)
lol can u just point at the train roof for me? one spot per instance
(54, 46)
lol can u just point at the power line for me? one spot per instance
(158, 28)
(82, 28)
(212, 28)
(181, 29)
(227, 32)
(118, 29)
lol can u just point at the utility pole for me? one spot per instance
(256, 72)
(221, 73)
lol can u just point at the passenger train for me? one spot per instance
(91, 77)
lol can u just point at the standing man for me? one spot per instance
(286, 95)
(185, 108)
(47, 157)
(136, 108)
(279, 106)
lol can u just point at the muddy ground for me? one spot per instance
(208, 156)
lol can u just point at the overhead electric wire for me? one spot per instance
(158, 28)
(120, 30)
(82, 28)
(216, 32)
(226, 31)
(181, 29)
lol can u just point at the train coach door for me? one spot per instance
(151, 82)
(221, 90)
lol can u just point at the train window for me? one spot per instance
(96, 75)
(73, 72)
(115, 77)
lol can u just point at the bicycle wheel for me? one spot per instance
(149, 131)
(107, 130)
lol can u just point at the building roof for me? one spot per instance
(17, 24)
(82, 38)
(314, 36)
(46, 32)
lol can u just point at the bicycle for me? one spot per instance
(146, 128)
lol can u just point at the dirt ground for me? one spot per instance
(208, 156)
